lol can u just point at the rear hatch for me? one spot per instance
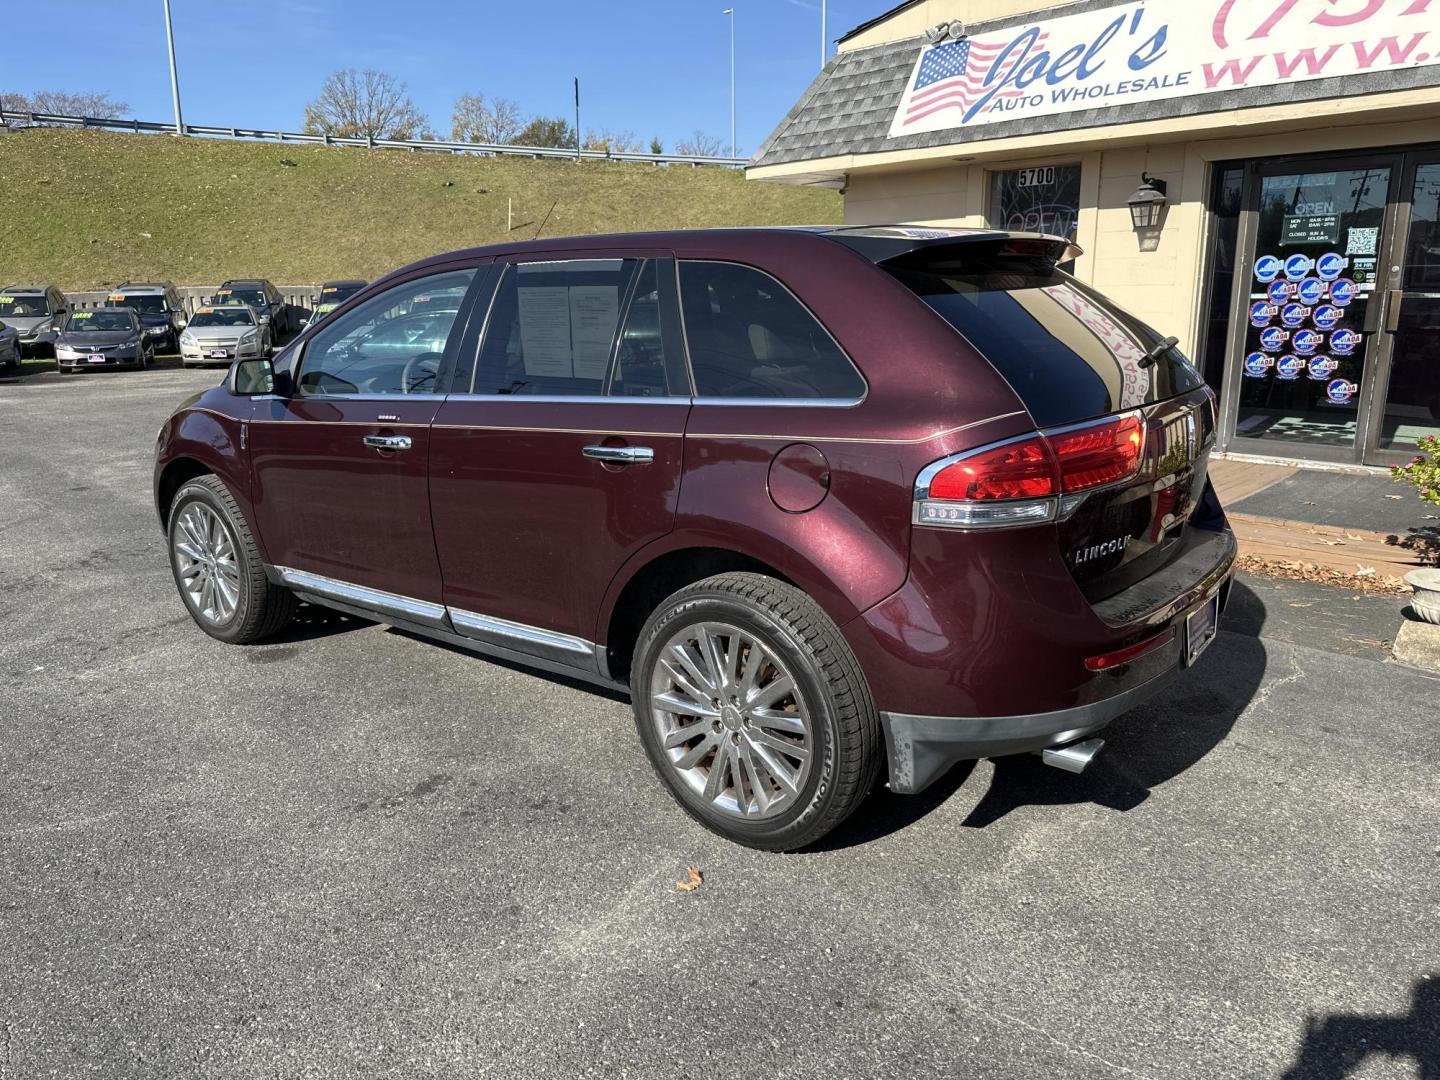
(1090, 375)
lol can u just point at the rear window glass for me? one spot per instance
(23, 305)
(231, 316)
(1069, 353)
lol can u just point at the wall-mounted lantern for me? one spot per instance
(1147, 205)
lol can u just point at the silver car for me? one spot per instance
(36, 312)
(107, 337)
(217, 335)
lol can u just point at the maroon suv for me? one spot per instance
(826, 501)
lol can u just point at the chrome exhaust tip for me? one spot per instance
(1074, 757)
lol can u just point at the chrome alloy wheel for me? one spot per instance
(731, 720)
(205, 563)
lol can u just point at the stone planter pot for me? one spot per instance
(1426, 601)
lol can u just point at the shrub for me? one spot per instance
(1423, 470)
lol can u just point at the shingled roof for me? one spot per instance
(849, 107)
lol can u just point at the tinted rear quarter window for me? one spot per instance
(1069, 353)
(749, 337)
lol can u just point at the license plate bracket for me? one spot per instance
(1201, 627)
(96, 358)
(218, 354)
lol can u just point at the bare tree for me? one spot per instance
(612, 142)
(364, 104)
(64, 103)
(477, 120)
(700, 145)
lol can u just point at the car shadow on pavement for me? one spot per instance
(312, 622)
(1337, 1046)
(1144, 749)
(549, 676)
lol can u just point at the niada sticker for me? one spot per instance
(1267, 269)
(1310, 291)
(1261, 313)
(1293, 315)
(1340, 391)
(1344, 342)
(1327, 315)
(1330, 265)
(1298, 266)
(1344, 292)
(1322, 367)
(1280, 292)
(1307, 341)
(1289, 368)
(1272, 338)
(1257, 364)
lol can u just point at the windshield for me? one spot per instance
(338, 294)
(254, 297)
(1067, 351)
(17, 306)
(223, 316)
(149, 303)
(85, 322)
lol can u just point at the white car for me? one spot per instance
(217, 335)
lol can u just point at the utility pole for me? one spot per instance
(824, 36)
(174, 74)
(577, 117)
(730, 11)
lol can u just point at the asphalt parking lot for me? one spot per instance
(352, 853)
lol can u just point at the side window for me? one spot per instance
(393, 344)
(749, 337)
(641, 361)
(552, 327)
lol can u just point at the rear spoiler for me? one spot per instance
(883, 244)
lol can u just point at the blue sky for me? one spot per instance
(653, 67)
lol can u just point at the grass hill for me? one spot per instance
(90, 209)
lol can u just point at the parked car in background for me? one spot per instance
(827, 502)
(217, 335)
(335, 293)
(106, 337)
(269, 305)
(9, 346)
(159, 306)
(36, 312)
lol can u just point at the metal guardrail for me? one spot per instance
(11, 116)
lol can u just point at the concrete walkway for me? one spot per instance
(1337, 522)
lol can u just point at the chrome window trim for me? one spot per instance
(782, 403)
(572, 399)
(385, 399)
(405, 607)
(844, 403)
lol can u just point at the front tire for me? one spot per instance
(218, 569)
(754, 711)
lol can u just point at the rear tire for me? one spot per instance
(773, 740)
(218, 569)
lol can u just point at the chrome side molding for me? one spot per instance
(377, 600)
(549, 644)
(564, 650)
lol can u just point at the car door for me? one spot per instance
(559, 453)
(340, 460)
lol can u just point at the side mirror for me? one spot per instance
(251, 377)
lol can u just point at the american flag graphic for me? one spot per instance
(952, 76)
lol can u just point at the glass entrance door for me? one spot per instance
(1411, 407)
(1311, 345)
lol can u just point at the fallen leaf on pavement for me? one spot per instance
(692, 881)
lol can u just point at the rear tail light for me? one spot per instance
(1021, 481)
(1119, 657)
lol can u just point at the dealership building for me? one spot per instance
(1259, 178)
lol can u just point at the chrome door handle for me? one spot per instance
(388, 442)
(620, 455)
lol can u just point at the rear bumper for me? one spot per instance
(1018, 682)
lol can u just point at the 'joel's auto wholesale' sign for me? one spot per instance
(1137, 52)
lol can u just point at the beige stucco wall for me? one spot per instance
(916, 20)
(1163, 286)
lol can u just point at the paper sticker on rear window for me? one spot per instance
(116, 296)
(205, 311)
(223, 292)
(330, 289)
(82, 315)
